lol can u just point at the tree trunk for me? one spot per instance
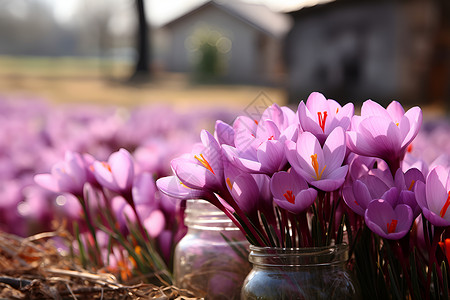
(142, 67)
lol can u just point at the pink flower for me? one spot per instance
(388, 222)
(384, 133)
(118, 173)
(68, 176)
(434, 196)
(320, 167)
(291, 192)
(321, 116)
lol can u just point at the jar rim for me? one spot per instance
(298, 257)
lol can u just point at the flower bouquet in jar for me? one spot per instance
(340, 189)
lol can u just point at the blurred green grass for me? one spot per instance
(90, 80)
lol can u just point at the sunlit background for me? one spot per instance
(225, 52)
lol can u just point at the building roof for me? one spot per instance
(256, 15)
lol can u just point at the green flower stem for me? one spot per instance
(91, 228)
(229, 199)
(432, 257)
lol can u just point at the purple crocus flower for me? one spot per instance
(321, 167)
(261, 151)
(384, 133)
(321, 116)
(433, 196)
(388, 222)
(363, 191)
(259, 145)
(224, 133)
(405, 182)
(291, 192)
(173, 187)
(283, 116)
(203, 167)
(118, 173)
(242, 187)
(68, 176)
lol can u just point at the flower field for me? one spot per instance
(89, 175)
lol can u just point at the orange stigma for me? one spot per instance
(392, 226)
(409, 149)
(445, 207)
(322, 119)
(106, 165)
(289, 197)
(315, 165)
(256, 122)
(230, 185)
(204, 162)
(271, 138)
(412, 185)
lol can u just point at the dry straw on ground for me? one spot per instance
(33, 268)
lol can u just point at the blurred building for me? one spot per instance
(353, 50)
(227, 41)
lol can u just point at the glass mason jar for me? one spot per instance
(299, 273)
(211, 260)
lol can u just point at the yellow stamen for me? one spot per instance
(397, 124)
(204, 162)
(315, 165)
(184, 185)
(445, 207)
(392, 226)
(289, 197)
(337, 110)
(412, 185)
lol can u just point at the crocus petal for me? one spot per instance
(271, 156)
(316, 102)
(193, 175)
(419, 191)
(334, 149)
(414, 116)
(392, 196)
(395, 111)
(307, 121)
(245, 192)
(224, 133)
(155, 223)
(436, 192)
(143, 189)
(47, 181)
(351, 201)
(371, 108)
(122, 168)
(361, 194)
(104, 176)
(171, 186)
